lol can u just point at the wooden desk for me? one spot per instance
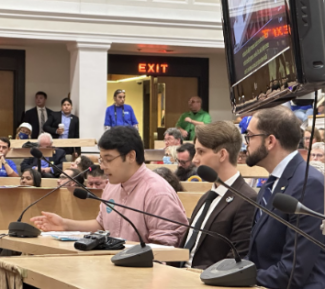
(46, 245)
(71, 142)
(20, 153)
(152, 167)
(98, 272)
(160, 144)
(15, 181)
(189, 201)
(153, 155)
(196, 186)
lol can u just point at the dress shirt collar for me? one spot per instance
(132, 182)
(279, 169)
(39, 108)
(65, 115)
(221, 190)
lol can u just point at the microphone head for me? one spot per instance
(285, 203)
(80, 193)
(207, 174)
(35, 152)
(93, 167)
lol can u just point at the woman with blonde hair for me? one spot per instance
(170, 155)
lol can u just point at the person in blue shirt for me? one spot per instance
(120, 114)
(8, 167)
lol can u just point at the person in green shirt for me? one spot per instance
(196, 116)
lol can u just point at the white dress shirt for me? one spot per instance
(39, 112)
(221, 191)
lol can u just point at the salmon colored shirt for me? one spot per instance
(149, 192)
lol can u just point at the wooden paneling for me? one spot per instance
(7, 103)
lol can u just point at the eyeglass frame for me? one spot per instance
(247, 137)
(182, 162)
(317, 155)
(101, 161)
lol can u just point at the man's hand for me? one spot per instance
(183, 132)
(49, 222)
(60, 131)
(46, 170)
(188, 119)
(2, 159)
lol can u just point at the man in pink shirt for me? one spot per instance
(130, 184)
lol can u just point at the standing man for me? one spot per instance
(63, 124)
(219, 210)
(38, 115)
(186, 168)
(196, 116)
(272, 139)
(7, 167)
(120, 113)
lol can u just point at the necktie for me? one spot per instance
(191, 242)
(267, 194)
(42, 120)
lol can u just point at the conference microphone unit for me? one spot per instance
(291, 205)
(239, 272)
(212, 274)
(25, 230)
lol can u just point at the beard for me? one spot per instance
(255, 157)
(183, 174)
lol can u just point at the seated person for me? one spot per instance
(133, 184)
(318, 152)
(81, 163)
(45, 141)
(170, 177)
(24, 131)
(96, 179)
(170, 155)
(186, 168)
(73, 173)
(8, 167)
(321, 132)
(31, 177)
(307, 135)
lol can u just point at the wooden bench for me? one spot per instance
(196, 186)
(160, 144)
(22, 153)
(46, 182)
(189, 201)
(71, 142)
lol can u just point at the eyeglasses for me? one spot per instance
(307, 138)
(317, 155)
(102, 161)
(182, 162)
(247, 137)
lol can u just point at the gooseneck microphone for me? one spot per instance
(291, 205)
(239, 272)
(25, 230)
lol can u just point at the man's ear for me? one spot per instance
(131, 157)
(224, 155)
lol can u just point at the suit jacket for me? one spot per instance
(230, 219)
(271, 246)
(31, 116)
(52, 124)
(57, 159)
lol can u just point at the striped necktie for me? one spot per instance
(42, 120)
(267, 194)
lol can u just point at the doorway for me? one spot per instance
(7, 103)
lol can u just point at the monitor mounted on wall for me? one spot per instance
(275, 50)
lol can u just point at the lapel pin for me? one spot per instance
(283, 188)
(229, 199)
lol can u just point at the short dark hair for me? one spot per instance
(281, 122)
(118, 91)
(66, 99)
(187, 147)
(6, 140)
(37, 177)
(220, 135)
(85, 162)
(76, 172)
(41, 93)
(170, 177)
(124, 139)
(97, 172)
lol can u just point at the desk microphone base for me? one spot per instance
(229, 273)
(23, 230)
(135, 256)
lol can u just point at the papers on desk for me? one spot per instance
(153, 246)
(65, 236)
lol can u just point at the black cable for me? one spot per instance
(294, 261)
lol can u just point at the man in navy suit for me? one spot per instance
(272, 139)
(38, 115)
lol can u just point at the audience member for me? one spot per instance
(170, 177)
(318, 152)
(120, 113)
(186, 168)
(38, 115)
(63, 124)
(131, 183)
(217, 146)
(45, 141)
(170, 155)
(321, 132)
(73, 173)
(31, 177)
(307, 135)
(82, 163)
(196, 116)
(272, 140)
(96, 179)
(173, 137)
(8, 167)
(319, 166)
(24, 131)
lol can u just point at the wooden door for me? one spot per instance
(7, 103)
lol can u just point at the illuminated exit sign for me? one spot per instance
(152, 68)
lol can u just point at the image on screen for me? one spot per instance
(259, 31)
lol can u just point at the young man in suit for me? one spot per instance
(217, 146)
(272, 139)
(38, 115)
(63, 124)
(45, 141)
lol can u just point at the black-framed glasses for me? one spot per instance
(102, 161)
(247, 137)
(183, 163)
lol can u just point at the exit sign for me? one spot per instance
(152, 68)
